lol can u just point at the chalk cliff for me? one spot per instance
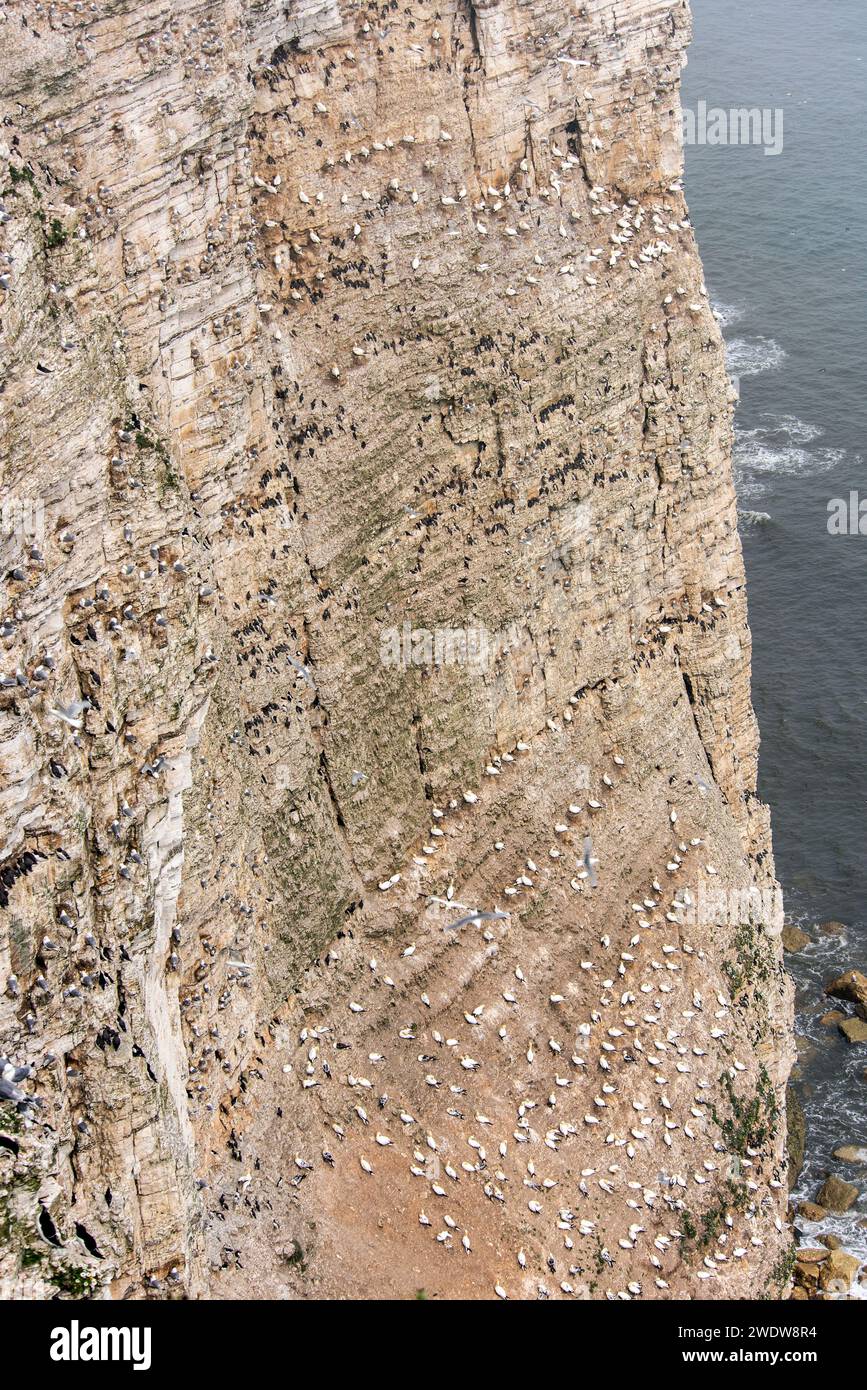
(369, 548)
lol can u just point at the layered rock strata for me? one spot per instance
(370, 548)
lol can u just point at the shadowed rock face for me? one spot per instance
(366, 444)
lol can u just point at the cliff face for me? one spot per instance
(326, 327)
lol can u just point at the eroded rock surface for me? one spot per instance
(325, 325)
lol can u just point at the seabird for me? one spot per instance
(71, 713)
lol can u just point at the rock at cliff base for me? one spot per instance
(811, 1211)
(839, 1268)
(854, 1030)
(833, 928)
(807, 1275)
(852, 986)
(837, 1195)
(794, 939)
(832, 1018)
(812, 1256)
(851, 1153)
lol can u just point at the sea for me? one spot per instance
(783, 239)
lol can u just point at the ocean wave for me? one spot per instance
(753, 453)
(747, 488)
(797, 430)
(727, 314)
(748, 357)
(750, 518)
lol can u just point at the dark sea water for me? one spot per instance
(784, 244)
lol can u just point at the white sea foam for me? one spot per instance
(797, 430)
(750, 518)
(779, 447)
(846, 1226)
(727, 314)
(753, 453)
(747, 488)
(833, 1105)
(749, 356)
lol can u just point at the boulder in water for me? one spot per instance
(811, 1211)
(852, 986)
(839, 1270)
(794, 939)
(837, 1195)
(854, 1030)
(851, 1153)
